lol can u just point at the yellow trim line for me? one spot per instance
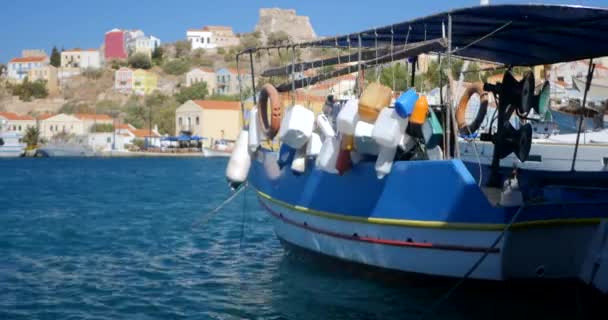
(430, 224)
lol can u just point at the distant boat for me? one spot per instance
(10, 145)
(66, 148)
(598, 91)
(219, 149)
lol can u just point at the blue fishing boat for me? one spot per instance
(422, 209)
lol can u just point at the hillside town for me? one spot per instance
(134, 89)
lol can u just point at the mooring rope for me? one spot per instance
(207, 216)
(474, 267)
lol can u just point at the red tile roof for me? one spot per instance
(92, 116)
(14, 116)
(218, 105)
(127, 126)
(45, 116)
(28, 59)
(210, 70)
(142, 133)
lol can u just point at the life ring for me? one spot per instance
(470, 128)
(270, 126)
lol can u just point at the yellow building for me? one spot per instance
(144, 82)
(46, 73)
(210, 119)
(77, 124)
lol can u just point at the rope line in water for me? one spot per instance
(474, 267)
(207, 216)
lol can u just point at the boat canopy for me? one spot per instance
(518, 35)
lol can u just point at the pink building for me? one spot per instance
(115, 45)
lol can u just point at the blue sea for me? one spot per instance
(132, 239)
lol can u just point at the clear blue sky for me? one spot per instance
(70, 23)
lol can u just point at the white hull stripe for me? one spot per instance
(356, 237)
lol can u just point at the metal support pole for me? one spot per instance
(238, 74)
(293, 75)
(255, 100)
(412, 81)
(359, 74)
(448, 111)
(590, 72)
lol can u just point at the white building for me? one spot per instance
(18, 68)
(143, 44)
(563, 72)
(200, 39)
(83, 59)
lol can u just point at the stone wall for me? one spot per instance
(275, 19)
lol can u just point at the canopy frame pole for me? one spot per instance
(590, 72)
(448, 105)
(255, 101)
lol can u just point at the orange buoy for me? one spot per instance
(271, 126)
(463, 126)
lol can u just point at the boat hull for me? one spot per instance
(211, 153)
(426, 217)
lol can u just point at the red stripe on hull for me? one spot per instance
(396, 243)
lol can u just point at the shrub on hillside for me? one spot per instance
(221, 51)
(177, 67)
(140, 61)
(157, 56)
(278, 38)
(92, 74)
(117, 64)
(195, 92)
(103, 127)
(71, 107)
(28, 90)
(182, 48)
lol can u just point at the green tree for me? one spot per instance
(182, 48)
(55, 58)
(221, 51)
(136, 113)
(157, 55)
(200, 58)
(32, 137)
(103, 127)
(278, 38)
(195, 92)
(140, 61)
(250, 40)
(28, 90)
(177, 67)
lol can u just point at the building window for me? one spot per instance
(197, 121)
(109, 140)
(179, 121)
(19, 128)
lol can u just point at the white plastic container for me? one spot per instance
(254, 132)
(364, 143)
(389, 128)
(348, 117)
(297, 126)
(407, 143)
(434, 153)
(240, 161)
(384, 163)
(299, 161)
(326, 161)
(314, 145)
(325, 126)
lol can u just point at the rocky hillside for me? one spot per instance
(273, 20)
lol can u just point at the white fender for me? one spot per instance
(299, 161)
(254, 130)
(313, 147)
(240, 160)
(384, 163)
(325, 126)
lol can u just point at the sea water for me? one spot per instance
(131, 239)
